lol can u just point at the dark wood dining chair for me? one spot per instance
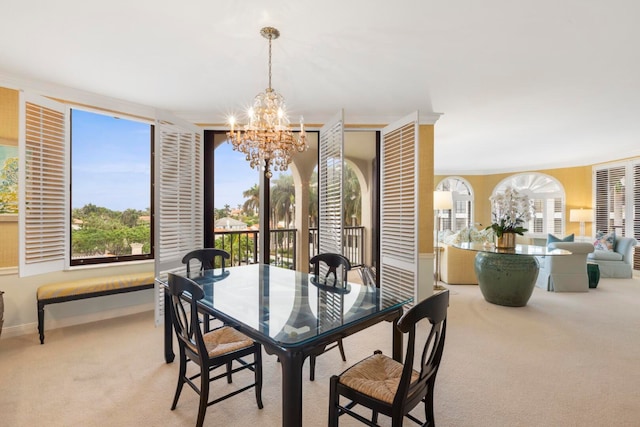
(215, 349)
(393, 388)
(206, 259)
(331, 269)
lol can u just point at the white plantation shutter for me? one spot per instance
(616, 191)
(398, 208)
(636, 213)
(610, 199)
(43, 190)
(178, 198)
(330, 180)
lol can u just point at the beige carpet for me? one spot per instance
(566, 359)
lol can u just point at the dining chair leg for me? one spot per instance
(229, 368)
(341, 348)
(312, 368)
(258, 374)
(181, 376)
(333, 402)
(204, 394)
(428, 406)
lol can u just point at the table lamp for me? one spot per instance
(581, 216)
(442, 200)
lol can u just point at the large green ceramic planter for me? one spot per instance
(506, 279)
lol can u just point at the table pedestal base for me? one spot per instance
(506, 279)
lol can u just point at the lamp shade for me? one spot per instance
(581, 215)
(442, 200)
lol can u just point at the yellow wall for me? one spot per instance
(577, 183)
(425, 189)
(8, 116)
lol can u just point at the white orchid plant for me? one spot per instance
(510, 210)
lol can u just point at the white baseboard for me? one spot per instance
(50, 324)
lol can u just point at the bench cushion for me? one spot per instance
(94, 284)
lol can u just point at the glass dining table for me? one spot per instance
(292, 314)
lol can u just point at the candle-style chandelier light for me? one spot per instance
(267, 140)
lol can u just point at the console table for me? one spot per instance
(508, 276)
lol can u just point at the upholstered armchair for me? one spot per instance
(617, 263)
(456, 266)
(565, 273)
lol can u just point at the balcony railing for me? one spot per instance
(353, 244)
(242, 245)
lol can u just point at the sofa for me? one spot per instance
(617, 263)
(565, 273)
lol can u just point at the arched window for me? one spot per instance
(548, 198)
(461, 216)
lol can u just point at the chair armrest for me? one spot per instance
(624, 246)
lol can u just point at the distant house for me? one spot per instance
(227, 223)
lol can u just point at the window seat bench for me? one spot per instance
(88, 288)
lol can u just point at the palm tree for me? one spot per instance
(313, 199)
(282, 199)
(351, 196)
(252, 205)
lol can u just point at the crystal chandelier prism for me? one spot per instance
(267, 140)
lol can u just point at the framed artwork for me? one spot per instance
(8, 180)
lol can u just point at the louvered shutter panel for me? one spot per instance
(636, 213)
(330, 180)
(178, 198)
(610, 200)
(43, 205)
(399, 213)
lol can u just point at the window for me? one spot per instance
(110, 189)
(610, 187)
(461, 216)
(617, 198)
(547, 195)
(616, 190)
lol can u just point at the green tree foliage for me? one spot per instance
(239, 246)
(98, 231)
(352, 199)
(283, 200)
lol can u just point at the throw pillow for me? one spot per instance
(605, 241)
(552, 239)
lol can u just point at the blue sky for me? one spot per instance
(110, 165)
(233, 176)
(110, 162)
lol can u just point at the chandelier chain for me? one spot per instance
(270, 63)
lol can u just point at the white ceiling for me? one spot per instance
(521, 84)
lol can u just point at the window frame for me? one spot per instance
(630, 172)
(450, 183)
(120, 258)
(549, 199)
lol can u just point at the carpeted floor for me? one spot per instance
(566, 359)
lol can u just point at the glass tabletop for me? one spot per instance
(290, 307)
(518, 250)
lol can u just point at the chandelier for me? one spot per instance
(267, 140)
